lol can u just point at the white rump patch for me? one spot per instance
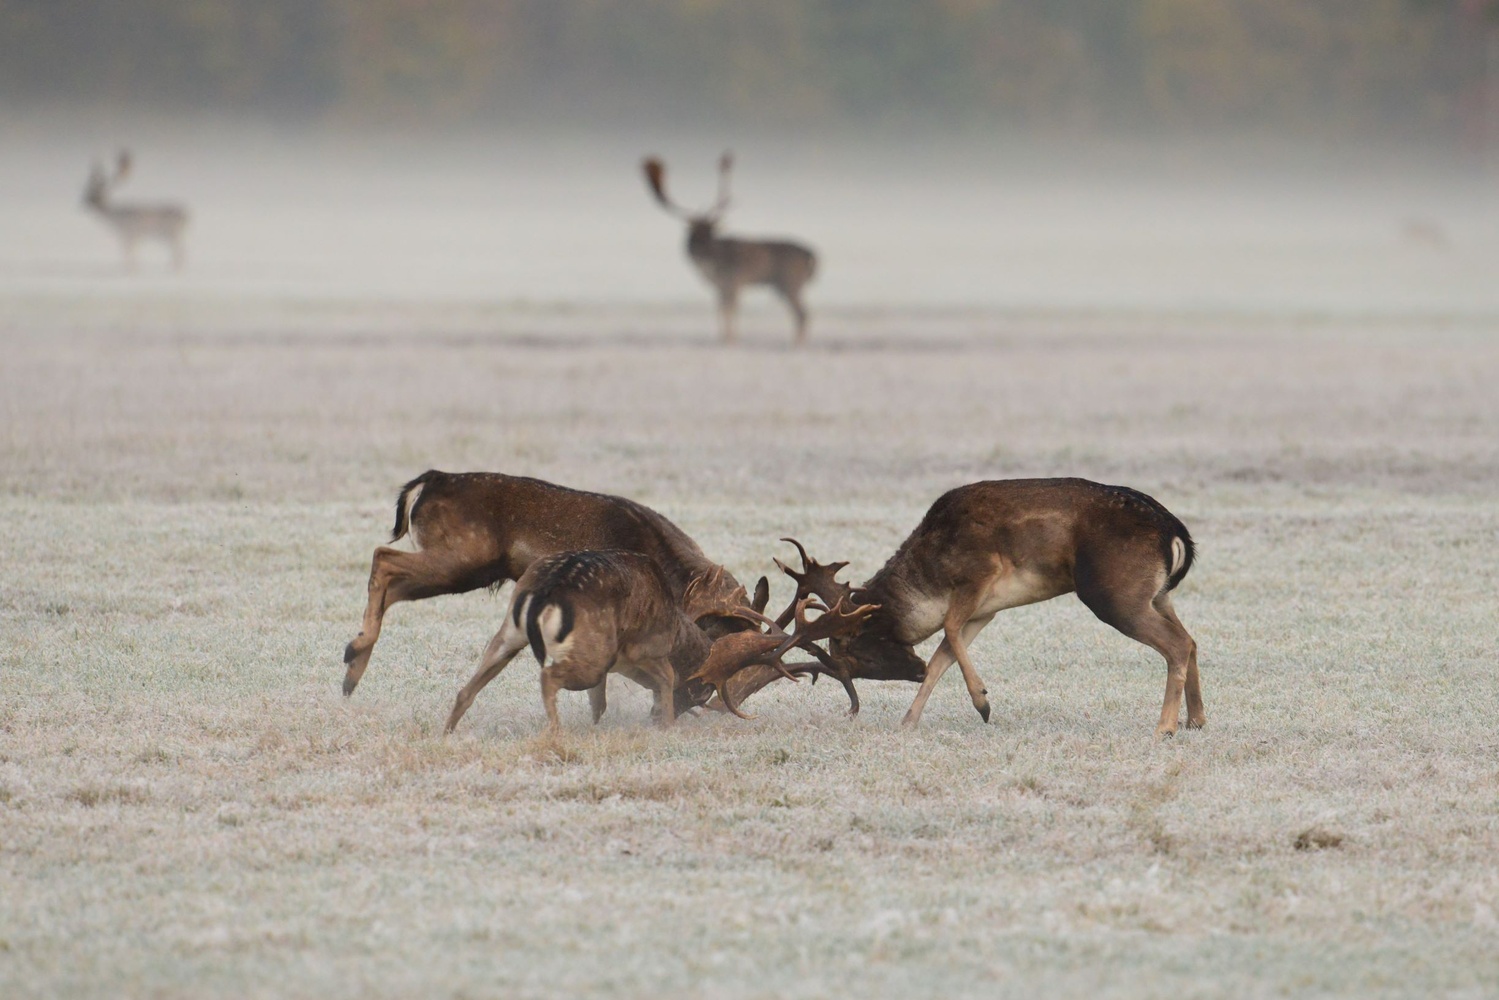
(1178, 556)
(550, 622)
(411, 499)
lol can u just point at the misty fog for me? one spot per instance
(507, 216)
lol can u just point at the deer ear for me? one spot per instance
(762, 595)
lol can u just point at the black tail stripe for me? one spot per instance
(533, 630)
(402, 524)
(533, 624)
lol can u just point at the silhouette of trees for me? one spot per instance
(1416, 66)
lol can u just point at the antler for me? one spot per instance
(655, 176)
(725, 166)
(708, 595)
(122, 166)
(815, 578)
(735, 652)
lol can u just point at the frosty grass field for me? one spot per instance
(188, 807)
(195, 468)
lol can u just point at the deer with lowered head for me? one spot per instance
(484, 529)
(990, 546)
(134, 221)
(729, 263)
(588, 614)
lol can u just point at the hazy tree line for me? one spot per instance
(1413, 66)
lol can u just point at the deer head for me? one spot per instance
(96, 191)
(864, 651)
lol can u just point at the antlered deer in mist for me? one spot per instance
(1002, 544)
(587, 614)
(482, 529)
(729, 264)
(134, 221)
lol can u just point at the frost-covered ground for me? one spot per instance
(194, 469)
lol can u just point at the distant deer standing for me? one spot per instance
(134, 221)
(1002, 544)
(483, 529)
(730, 264)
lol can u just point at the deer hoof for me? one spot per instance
(350, 652)
(1197, 723)
(984, 711)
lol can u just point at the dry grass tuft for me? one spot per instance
(1317, 838)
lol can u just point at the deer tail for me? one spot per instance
(534, 611)
(1179, 555)
(406, 502)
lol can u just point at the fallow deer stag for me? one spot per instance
(134, 221)
(483, 529)
(1002, 544)
(595, 612)
(730, 264)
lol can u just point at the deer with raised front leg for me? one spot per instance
(1002, 544)
(482, 529)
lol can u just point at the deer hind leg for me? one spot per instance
(943, 658)
(1196, 717)
(793, 296)
(551, 683)
(395, 576)
(728, 304)
(1136, 611)
(507, 642)
(598, 700)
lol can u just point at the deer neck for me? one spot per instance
(910, 610)
(702, 241)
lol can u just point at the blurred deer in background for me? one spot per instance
(1002, 544)
(134, 221)
(587, 614)
(730, 264)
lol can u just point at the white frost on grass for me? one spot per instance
(189, 807)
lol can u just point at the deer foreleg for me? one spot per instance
(958, 639)
(664, 679)
(935, 668)
(943, 658)
(598, 700)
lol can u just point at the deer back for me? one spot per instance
(1038, 531)
(606, 599)
(498, 525)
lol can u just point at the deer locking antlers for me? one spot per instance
(735, 652)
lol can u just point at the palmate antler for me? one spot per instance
(815, 578)
(734, 653)
(655, 176)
